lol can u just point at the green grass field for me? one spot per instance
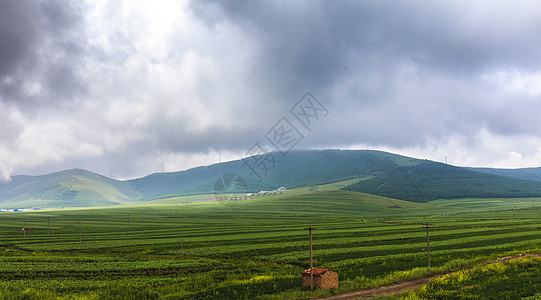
(258, 248)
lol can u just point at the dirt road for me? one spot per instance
(404, 286)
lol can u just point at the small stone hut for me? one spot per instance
(323, 279)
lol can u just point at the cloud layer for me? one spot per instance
(127, 85)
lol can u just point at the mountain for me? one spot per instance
(298, 169)
(70, 188)
(378, 173)
(428, 180)
(522, 173)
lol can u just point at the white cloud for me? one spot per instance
(515, 81)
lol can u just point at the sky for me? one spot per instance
(130, 88)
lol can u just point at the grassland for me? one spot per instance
(258, 248)
(493, 281)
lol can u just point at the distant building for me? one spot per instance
(280, 189)
(323, 278)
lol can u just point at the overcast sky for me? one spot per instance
(129, 85)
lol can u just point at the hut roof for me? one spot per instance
(316, 271)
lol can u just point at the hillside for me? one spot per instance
(522, 173)
(299, 169)
(431, 180)
(71, 188)
(379, 173)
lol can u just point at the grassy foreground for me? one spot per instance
(256, 248)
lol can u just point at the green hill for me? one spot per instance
(522, 173)
(298, 169)
(71, 188)
(429, 180)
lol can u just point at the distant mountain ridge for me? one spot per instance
(379, 173)
(298, 169)
(430, 180)
(70, 188)
(521, 173)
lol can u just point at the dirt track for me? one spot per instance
(404, 286)
(391, 289)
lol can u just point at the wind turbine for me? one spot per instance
(445, 158)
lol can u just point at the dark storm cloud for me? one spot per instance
(416, 67)
(39, 52)
(17, 35)
(171, 138)
(315, 40)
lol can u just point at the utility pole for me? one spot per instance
(24, 229)
(181, 245)
(428, 244)
(80, 234)
(311, 261)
